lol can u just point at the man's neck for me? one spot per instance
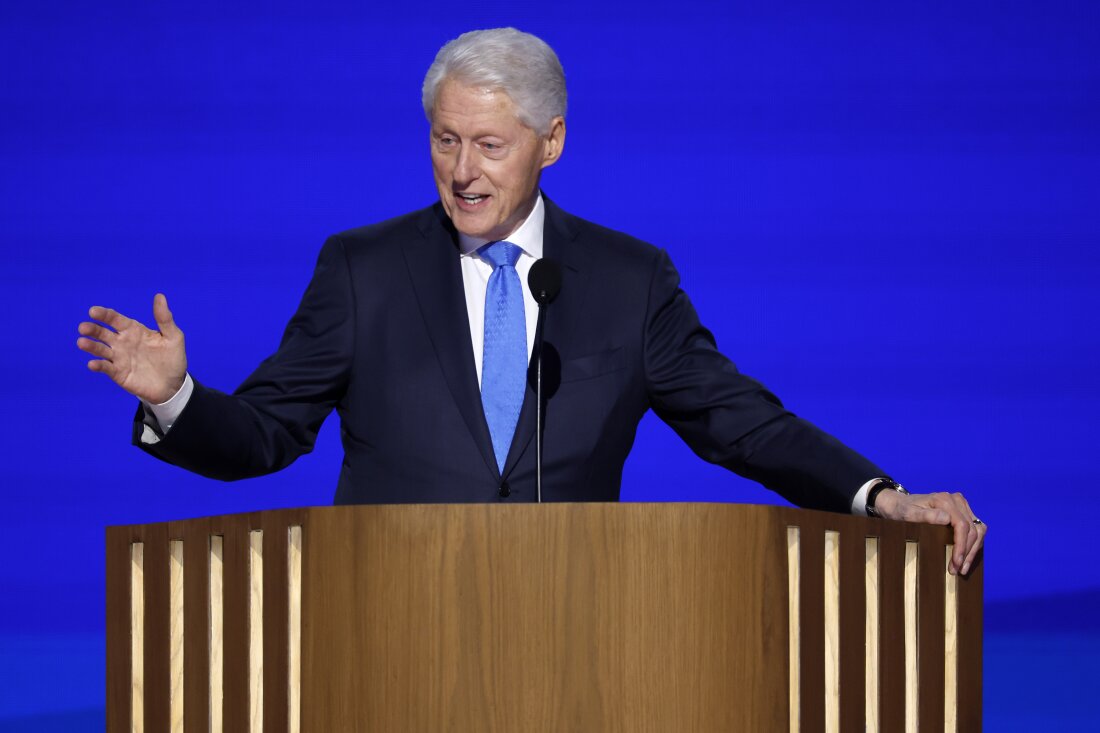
(528, 235)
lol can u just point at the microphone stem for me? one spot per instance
(538, 407)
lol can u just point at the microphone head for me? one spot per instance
(544, 280)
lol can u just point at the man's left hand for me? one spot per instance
(939, 508)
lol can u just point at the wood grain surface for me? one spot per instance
(794, 638)
(871, 627)
(156, 661)
(175, 635)
(853, 621)
(561, 617)
(812, 624)
(832, 631)
(552, 617)
(215, 636)
(969, 634)
(950, 646)
(930, 637)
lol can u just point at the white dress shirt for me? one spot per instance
(476, 272)
(475, 279)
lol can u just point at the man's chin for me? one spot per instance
(476, 226)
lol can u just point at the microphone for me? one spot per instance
(544, 279)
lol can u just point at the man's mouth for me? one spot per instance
(469, 200)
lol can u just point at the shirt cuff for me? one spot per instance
(166, 413)
(859, 501)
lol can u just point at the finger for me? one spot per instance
(965, 535)
(95, 348)
(966, 532)
(97, 332)
(965, 555)
(165, 322)
(104, 366)
(111, 317)
(975, 548)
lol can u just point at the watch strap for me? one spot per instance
(881, 485)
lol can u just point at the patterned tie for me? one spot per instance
(504, 359)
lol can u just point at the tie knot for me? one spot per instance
(500, 253)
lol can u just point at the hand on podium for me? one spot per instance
(939, 508)
(151, 365)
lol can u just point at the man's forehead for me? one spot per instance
(468, 105)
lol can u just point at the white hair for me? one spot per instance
(519, 64)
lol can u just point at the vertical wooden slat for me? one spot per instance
(157, 632)
(794, 618)
(812, 633)
(912, 649)
(275, 611)
(831, 603)
(873, 622)
(930, 624)
(294, 629)
(256, 631)
(852, 628)
(970, 647)
(216, 634)
(950, 646)
(892, 631)
(175, 636)
(235, 713)
(137, 637)
(118, 568)
(196, 664)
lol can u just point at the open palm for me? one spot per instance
(150, 365)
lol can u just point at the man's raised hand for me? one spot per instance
(151, 365)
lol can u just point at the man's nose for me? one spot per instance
(466, 168)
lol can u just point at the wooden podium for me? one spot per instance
(552, 617)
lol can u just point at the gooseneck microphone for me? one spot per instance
(545, 283)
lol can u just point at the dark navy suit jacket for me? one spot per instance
(382, 336)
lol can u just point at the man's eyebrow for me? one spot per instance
(443, 130)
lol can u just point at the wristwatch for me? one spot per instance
(879, 487)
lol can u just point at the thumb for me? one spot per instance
(163, 316)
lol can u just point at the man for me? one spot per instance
(419, 331)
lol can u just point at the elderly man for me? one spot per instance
(419, 331)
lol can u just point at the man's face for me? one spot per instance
(486, 162)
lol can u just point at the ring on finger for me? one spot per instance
(975, 521)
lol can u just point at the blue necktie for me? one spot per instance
(504, 358)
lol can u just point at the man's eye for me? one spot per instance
(446, 140)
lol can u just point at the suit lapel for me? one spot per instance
(562, 318)
(433, 264)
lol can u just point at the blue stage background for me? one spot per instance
(885, 212)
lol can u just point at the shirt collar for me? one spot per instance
(528, 237)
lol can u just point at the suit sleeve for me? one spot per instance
(274, 416)
(730, 419)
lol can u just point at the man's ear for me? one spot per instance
(555, 142)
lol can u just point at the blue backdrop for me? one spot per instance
(887, 212)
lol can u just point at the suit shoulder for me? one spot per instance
(602, 243)
(388, 232)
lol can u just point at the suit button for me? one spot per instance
(504, 491)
